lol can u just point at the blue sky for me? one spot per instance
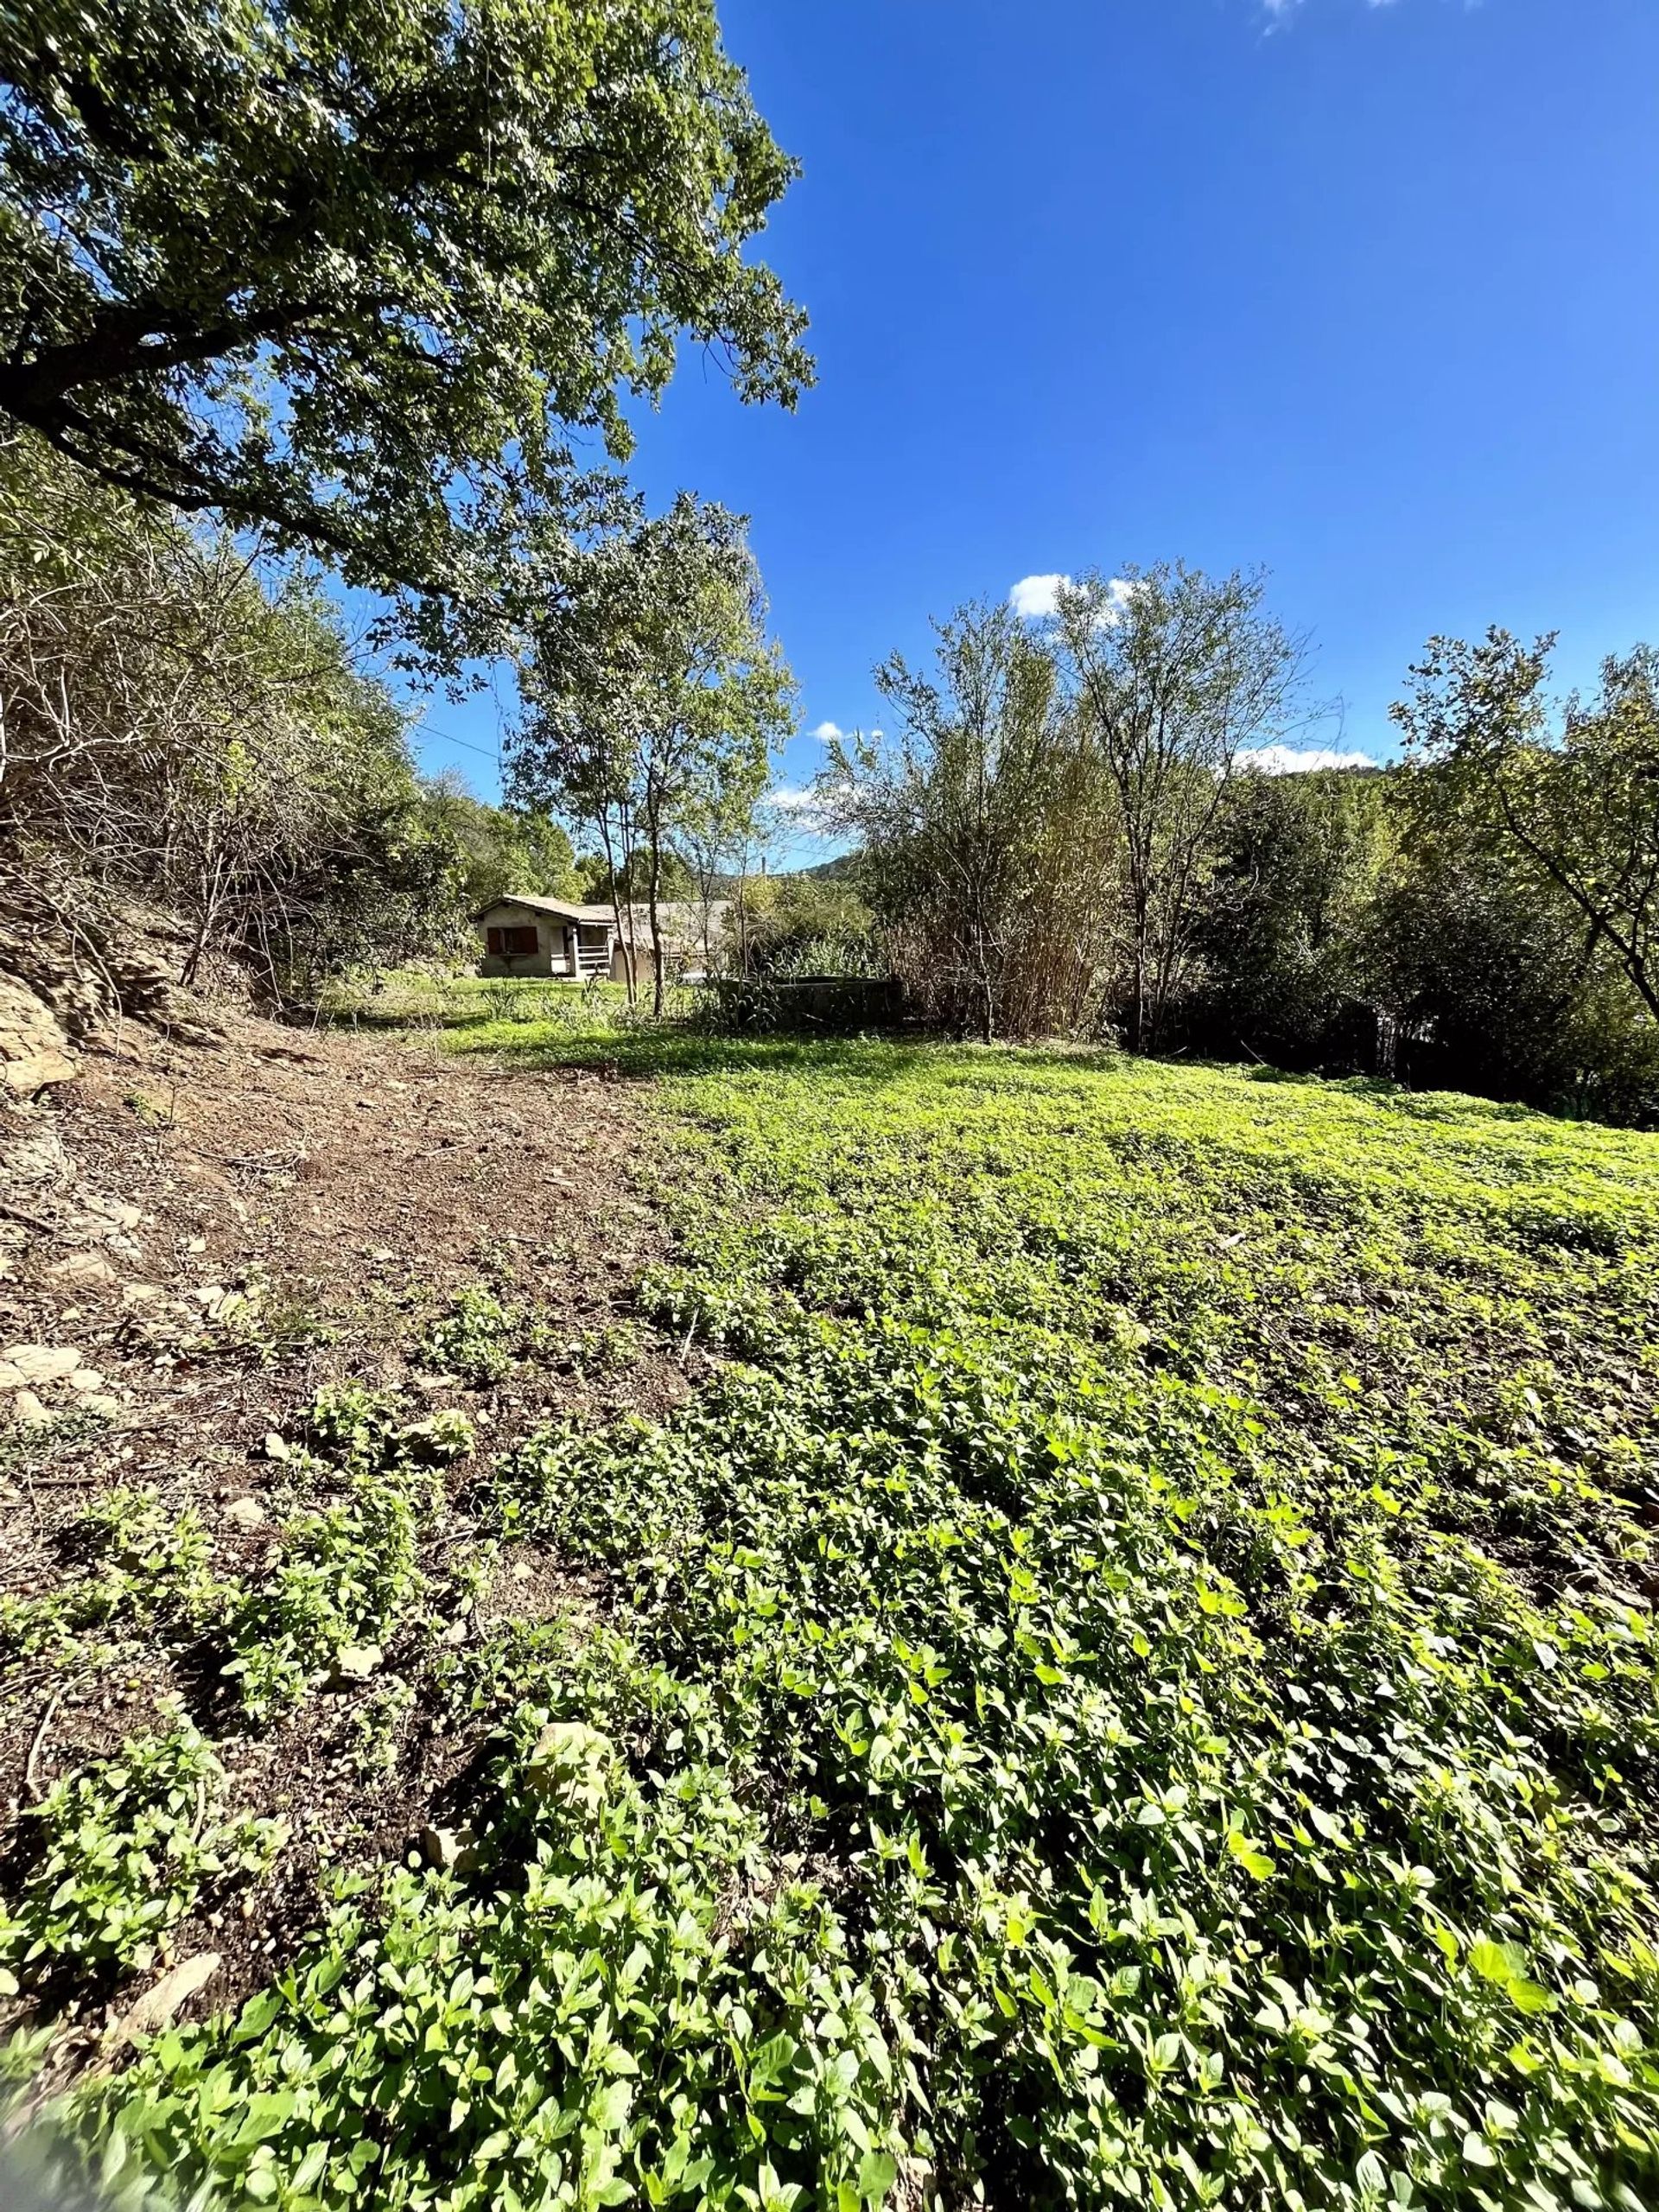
(1365, 293)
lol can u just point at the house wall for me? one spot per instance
(677, 957)
(548, 959)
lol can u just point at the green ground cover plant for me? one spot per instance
(126, 1848)
(1131, 1680)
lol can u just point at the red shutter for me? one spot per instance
(492, 942)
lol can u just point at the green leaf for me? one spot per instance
(876, 2174)
(1254, 1861)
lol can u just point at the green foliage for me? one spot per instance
(143, 1568)
(127, 1847)
(601, 884)
(183, 726)
(480, 1338)
(349, 1577)
(295, 289)
(1133, 1687)
(503, 849)
(791, 926)
(653, 698)
(476, 1339)
(1285, 933)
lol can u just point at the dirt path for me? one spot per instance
(213, 1232)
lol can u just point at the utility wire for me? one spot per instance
(427, 729)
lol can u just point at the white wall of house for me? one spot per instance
(562, 948)
(551, 955)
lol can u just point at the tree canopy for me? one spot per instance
(358, 274)
(653, 694)
(1577, 806)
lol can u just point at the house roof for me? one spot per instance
(563, 909)
(680, 919)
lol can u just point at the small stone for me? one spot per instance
(86, 1378)
(141, 1294)
(28, 1411)
(522, 1570)
(276, 1447)
(160, 2004)
(245, 1513)
(106, 1408)
(110, 1210)
(440, 1847)
(85, 1269)
(197, 1244)
(33, 1072)
(355, 1662)
(11, 1378)
(43, 1363)
(571, 1763)
(209, 1295)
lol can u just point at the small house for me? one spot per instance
(526, 936)
(533, 936)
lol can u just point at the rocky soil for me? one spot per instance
(197, 1232)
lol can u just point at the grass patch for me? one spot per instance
(1133, 1682)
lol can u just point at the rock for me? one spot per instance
(28, 1411)
(245, 1513)
(276, 1447)
(114, 1211)
(161, 2002)
(84, 1270)
(106, 1408)
(11, 1378)
(355, 1662)
(571, 1763)
(456, 1849)
(33, 1048)
(42, 1362)
(141, 1294)
(86, 1378)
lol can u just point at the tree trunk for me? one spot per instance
(616, 909)
(653, 882)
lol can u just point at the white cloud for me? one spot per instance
(1281, 11)
(788, 800)
(1033, 597)
(1119, 592)
(1296, 760)
(826, 731)
(1036, 598)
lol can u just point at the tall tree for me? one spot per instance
(1284, 927)
(1170, 674)
(653, 688)
(949, 810)
(1578, 804)
(718, 831)
(502, 850)
(354, 274)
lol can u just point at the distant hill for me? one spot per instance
(844, 865)
(835, 871)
